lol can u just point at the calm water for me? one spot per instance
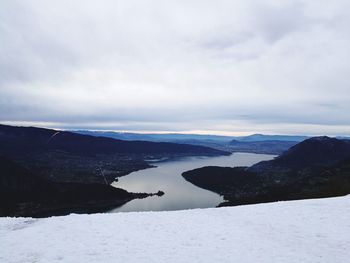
(179, 194)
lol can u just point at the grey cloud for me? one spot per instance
(175, 66)
(276, 22)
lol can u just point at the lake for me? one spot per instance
(179, 194)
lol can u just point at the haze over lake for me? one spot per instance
(179, 194)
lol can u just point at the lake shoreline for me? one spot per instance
(179, 194)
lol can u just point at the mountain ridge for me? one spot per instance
(69, 157)
(317, 167)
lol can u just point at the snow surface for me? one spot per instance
(297, 231)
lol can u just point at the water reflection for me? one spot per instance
(179, 194)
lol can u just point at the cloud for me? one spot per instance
(176, 65)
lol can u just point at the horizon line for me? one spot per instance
(47, 125)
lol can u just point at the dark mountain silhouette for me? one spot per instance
(25, 194)
(30, 139)
(69, 157)
(317, 167)
(16, 179)
(316, 151)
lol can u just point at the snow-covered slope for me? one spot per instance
(297, 231)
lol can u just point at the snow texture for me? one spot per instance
(297, 231)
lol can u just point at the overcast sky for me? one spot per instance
(227, 67)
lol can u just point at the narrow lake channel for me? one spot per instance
(179, 194)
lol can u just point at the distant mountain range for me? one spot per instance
(317, 167)
(155, 137)
(268, 147)
(171, 137)
(262, 137)
(256, 143)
